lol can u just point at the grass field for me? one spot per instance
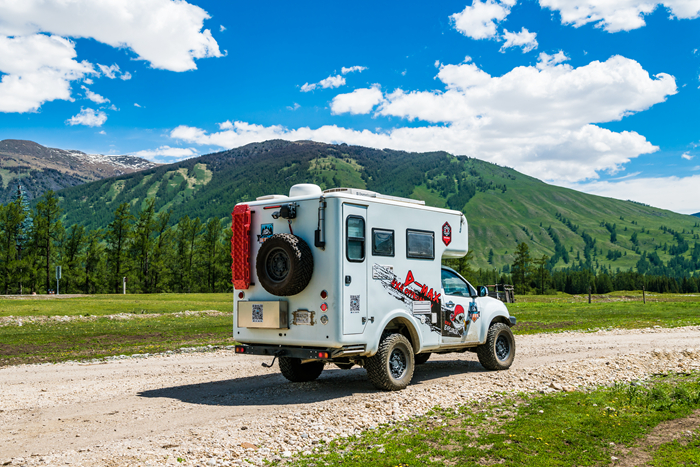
(580, 428)
(58, 329)
(626, 310)
(96, 305)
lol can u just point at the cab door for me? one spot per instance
(354, 268)
(460, 310)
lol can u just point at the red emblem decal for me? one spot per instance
(446, 233)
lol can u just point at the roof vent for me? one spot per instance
(305, 189)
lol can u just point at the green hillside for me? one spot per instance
(503, 206)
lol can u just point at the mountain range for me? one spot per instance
(38, 168)
(503, 207)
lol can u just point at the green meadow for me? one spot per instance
(86, 327)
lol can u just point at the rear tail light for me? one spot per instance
(241, 295)
(324, 307)
(323, 355)
(324, 294)
(240, 349)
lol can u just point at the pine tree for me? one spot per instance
(522, 267)
(49, 229)
(118, 237)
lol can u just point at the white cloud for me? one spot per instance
(94, 97)
(546, 60)
(293, 107)
(88, 117)
(352, 69)
(222, 28)
(37, 69)
(479, 21)
(101, 132)
(166, 33)
(360, 101)
(525, 39)
(88, 81)
(109, 71)
(167, 154)
(330, 82)
(618, 15)
(687, 156)
(660, 192)
(125, 76)
(540, 121)
(136, 105)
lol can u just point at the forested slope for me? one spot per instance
(503, 206)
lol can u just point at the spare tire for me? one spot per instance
(284, 265)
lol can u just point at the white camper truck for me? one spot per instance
(352, 277)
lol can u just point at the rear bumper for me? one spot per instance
(304, 353)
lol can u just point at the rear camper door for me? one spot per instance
(355, 241)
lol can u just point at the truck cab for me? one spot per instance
(353, 277)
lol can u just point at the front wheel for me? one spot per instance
(391, 368)
(498, 352)
(298, 372)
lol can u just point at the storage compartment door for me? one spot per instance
(355, 252)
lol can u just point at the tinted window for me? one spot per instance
(452, 284)
(382, 242)
(420, 244)
(356, 238)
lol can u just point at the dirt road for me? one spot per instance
(218, 408)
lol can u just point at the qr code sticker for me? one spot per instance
(354, 303)
(257, 313)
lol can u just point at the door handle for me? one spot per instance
(348, 279)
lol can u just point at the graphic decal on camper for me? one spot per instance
(446, 233)
(265, 232)
(410, 291)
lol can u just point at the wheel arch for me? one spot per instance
(402, 322)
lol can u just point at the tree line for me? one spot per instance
(535, 275)
(152, 251)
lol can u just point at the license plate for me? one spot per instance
(303, 317)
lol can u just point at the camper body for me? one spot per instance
(351, 277)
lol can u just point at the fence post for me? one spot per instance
(589, 294)
(644, 295)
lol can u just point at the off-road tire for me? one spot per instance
(391, 368)
(284, 265)
(498, 352)
(421, 358)
(298, 372)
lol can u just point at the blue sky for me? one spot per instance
(599, 96)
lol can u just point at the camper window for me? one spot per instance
(420, 244)
(355, 227)
(382, 242)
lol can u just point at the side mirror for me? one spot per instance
(483, 291)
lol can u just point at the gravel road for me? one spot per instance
(219, 408)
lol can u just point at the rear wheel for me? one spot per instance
(298, 372)
(421, 358)
(498, 352)
(391, 368)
